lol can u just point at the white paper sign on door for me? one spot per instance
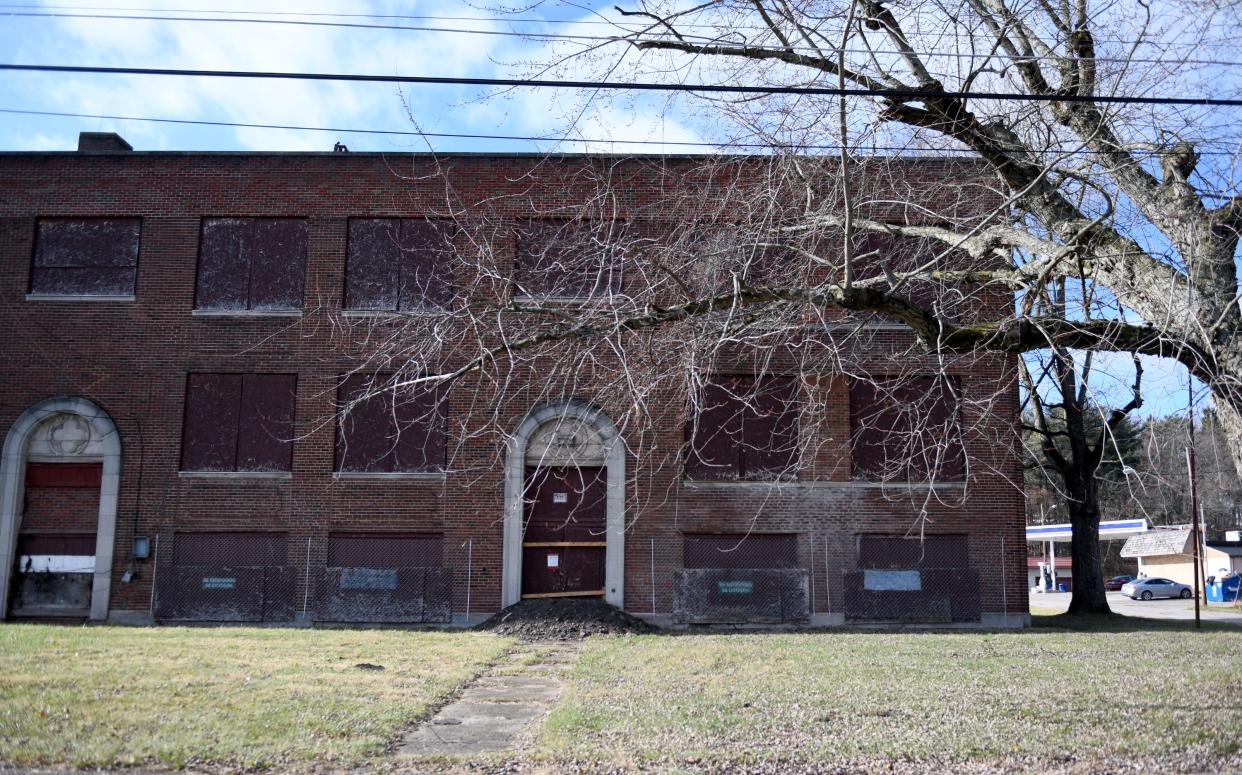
(554, 561)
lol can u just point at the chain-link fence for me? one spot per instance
(383, 577)
(741, 578)
(933, 595)
(392, 578)
(226, 577)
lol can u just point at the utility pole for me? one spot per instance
(1194, 518)
(1190, 450)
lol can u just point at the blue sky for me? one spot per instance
(248, 46)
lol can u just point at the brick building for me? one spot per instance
(181, 331)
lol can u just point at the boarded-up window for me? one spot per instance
(906, 429)
(874, 253)
(399, 264)
(386, 431)
(71, 544)
(714, 256)
(743, 427)
(231, 549)
(64, 475)
(568, 259)
(251, 264)
(902, 552)
(85, 257)
(740, 550)
(385, 550)
(238, 422)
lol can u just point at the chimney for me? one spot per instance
(102, 141)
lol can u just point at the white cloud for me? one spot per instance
(42, 142)
(228, 46)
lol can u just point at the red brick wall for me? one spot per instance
(131, 358)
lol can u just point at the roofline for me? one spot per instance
(975, 161)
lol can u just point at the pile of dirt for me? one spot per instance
(564, 618)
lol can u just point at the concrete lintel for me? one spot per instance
(76, 297)
(415, 476)
(246, 313)
(237, 475)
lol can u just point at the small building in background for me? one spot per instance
(1164, 553)
(1170, 554)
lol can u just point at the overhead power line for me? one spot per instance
(601, 21)
(415, 133)
(623, 34)
(1074, 150)
(900, 94)
(306, 23)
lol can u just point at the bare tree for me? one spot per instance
(1119, 192)
(1071, 445)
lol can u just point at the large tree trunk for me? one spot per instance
(1088, 595)
(1229, 410)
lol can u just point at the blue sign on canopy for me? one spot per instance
(1109, 529)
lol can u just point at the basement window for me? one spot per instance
(85, 257)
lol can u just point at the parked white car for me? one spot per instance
(1147, 588)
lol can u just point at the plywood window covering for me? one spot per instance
(85, 257)
(251, 264)
(740, 550)
(72, 544)
(238, 422)
(907, 429)
(64, 475)
(399, 264)
(568, 259)
(746, 428)
(245, 550)
(385, 550)
(389, 432)
(877, 551)
(877, 252)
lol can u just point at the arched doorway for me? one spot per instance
(66, 449)
(566, 456)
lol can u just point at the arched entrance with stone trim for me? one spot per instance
(565, 435)
(65, 430)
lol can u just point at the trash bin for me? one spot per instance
(1061, 587)
(1224, 590)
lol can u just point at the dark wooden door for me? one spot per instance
(564, 545)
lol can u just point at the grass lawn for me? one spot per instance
(293, 699)
(1075, 689)
(251, 697)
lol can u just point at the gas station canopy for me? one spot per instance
(1109, 530)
